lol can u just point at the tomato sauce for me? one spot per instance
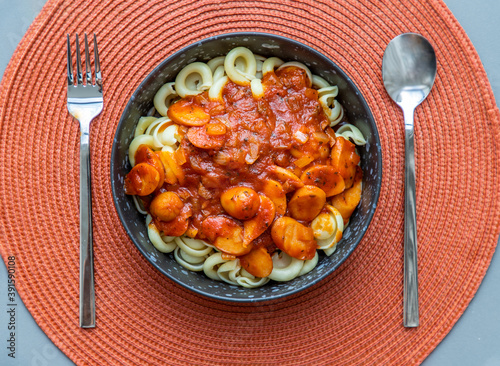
(260, 133)
(251, 174)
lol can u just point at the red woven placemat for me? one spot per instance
(353, 317)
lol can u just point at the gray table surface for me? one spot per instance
(474, 340)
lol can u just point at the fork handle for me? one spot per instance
(87, 294)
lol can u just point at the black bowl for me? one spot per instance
(267, 45)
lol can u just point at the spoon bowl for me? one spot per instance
(408, 71)
(409, 68)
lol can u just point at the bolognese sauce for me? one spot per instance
(252, 175)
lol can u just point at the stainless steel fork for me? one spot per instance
(85, 102)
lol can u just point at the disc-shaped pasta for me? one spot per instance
(240, 77)
(139, 206)
(324, 226)
(190, 262)
(216, 62)
(169, 136)
(143, 124)
(164, 97)
(193, 79)
(212, 264)
(157, 129)
(333, 109)
(318, 82)
(257, 88)
(260, 62)
(164, 244)
(218, 73)
(193, 247)
(328, 228)
(309, 265)
(285, 268)
(351, 132)
(247, 280)
(270, 64)
(136, 142)
(215, 92)
(228, 271)
(331, 90)
(154, 124)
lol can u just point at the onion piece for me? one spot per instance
(222, 158)
(321, 137)
(301, 137)
(303, 161)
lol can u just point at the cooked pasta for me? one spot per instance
(246, 169)
(353, 133)
(286, 268)
(193, 79)
(165, 244)
(164, 97)
(230, 271)
(333, 109)
(243, 72)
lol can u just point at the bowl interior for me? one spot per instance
(266, 45)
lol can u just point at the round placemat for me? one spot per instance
(354, 316)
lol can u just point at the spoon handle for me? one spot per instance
(410, 290)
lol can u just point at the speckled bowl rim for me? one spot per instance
(371, 210)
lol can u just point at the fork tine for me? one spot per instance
(78, 63)
(88, 71)
(70, 66)
(97, 65)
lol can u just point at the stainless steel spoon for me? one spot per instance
(408, 71)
